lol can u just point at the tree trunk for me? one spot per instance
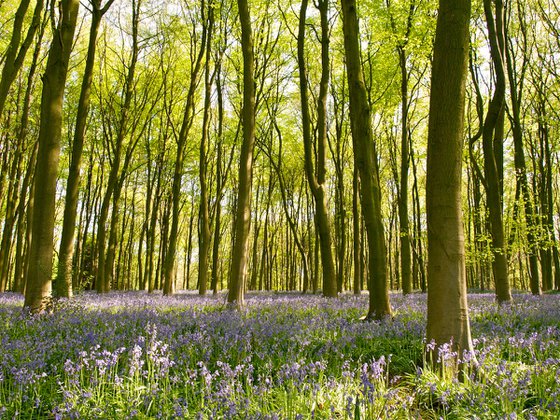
(516, 90)
(365, 158)
(448, 316)
(19, 210)
(356, 222)
(39, 276)
(10, 211)
(491, 136)
(204, 234)
(404, 230)
(220, 182)
(188, 116)
(242, 224)
(23, 230)
(15, 55)
(103, 278)
(317, 180)
(63, 284)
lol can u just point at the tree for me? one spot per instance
(188, 117)
(516, 76)
(365, 158)
(404, 231)
(112, 193)
(17, 49)
(317, 181)
(242, 223)
(39, 275)
(204, 234)
(448, 318)
(492, 144)
(66, 249)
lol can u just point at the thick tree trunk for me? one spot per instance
(448, 316)
(365, 158)
(39, 275)
(242, 224)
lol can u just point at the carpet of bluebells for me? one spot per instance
(286, 356)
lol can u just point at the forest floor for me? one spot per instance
(286, 356)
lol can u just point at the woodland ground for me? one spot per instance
(286, 356)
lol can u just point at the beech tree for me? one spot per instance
(242, 224)
(316, 174)
(39, 275)
(492, 144)
(66, 248)
(448, 316)
(325, 117)
(182, 137)
(365, 159)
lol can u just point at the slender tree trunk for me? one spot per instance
(242, 224)
(188, 117)
(22, 245)
(81, 278)
(405, 253)
(220, 182)
(491, 136)
(10, 213)
(190, 242)
(419, 253)
(204, 234)
(103, 278)
(19, 210)
(365, 158)
(63, 284)
(317, 181)
(448, 316)
(356, 222)
(17, 50)
(404, 230)
(39, 275)
(516, 91)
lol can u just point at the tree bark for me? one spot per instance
(39, 275)
(516, 80)
(317, 179)
(356, 222)
(63, 284)
(103, 278)
(365, 158)
(242, 224)
(188, 116)
(204, 234)
(492, 134)
(448, 317)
